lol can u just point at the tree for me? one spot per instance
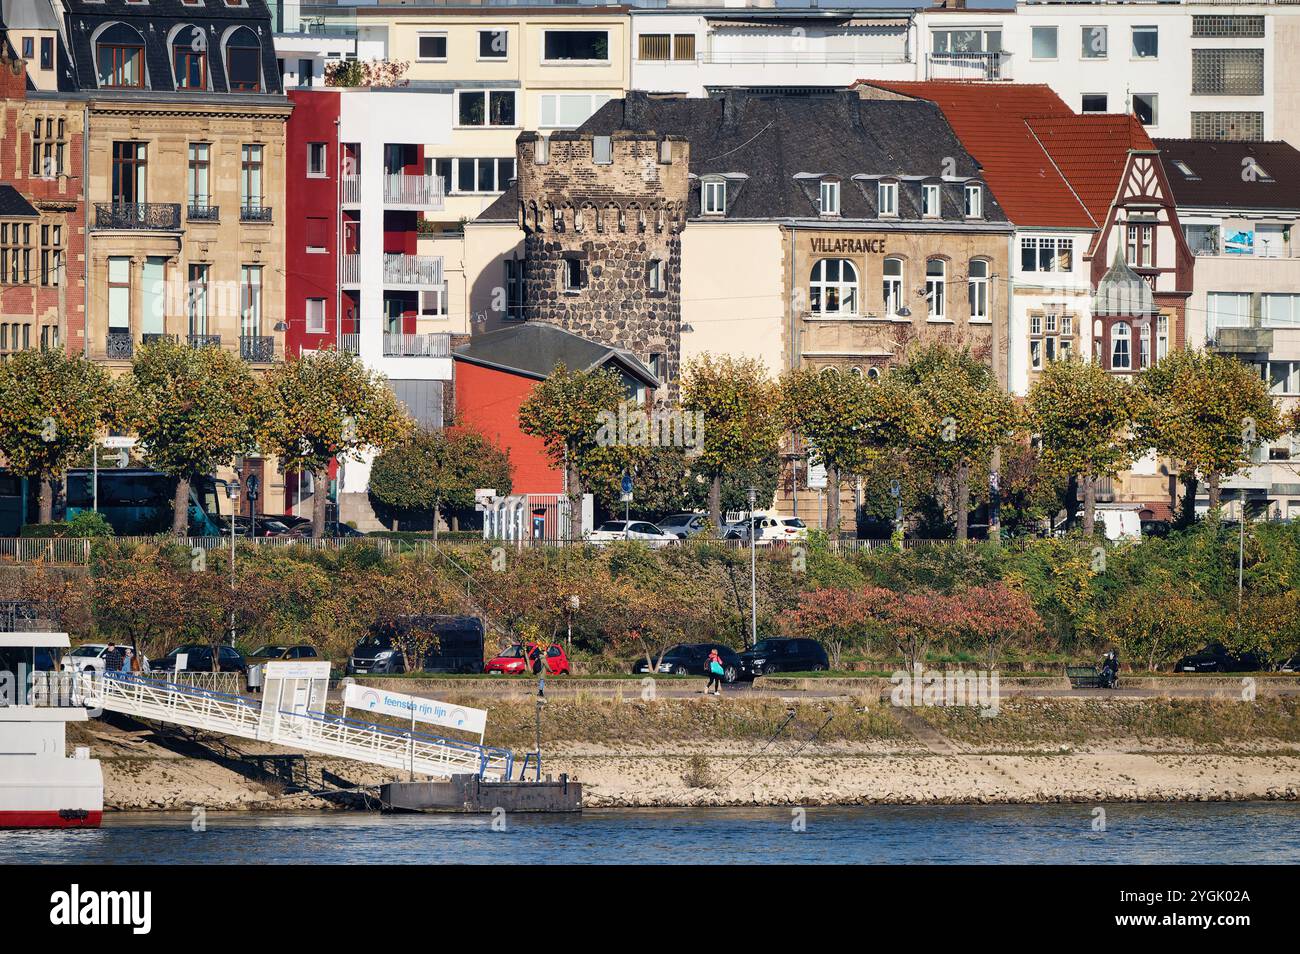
(436, 469)
(741, 411)
(51, 409)
(845, 421)
(1207, 411)
(325, 405)
(838, 616)
(954, 416)
(565, 412)
(1083, 416)
(194, 409)
(991, 618)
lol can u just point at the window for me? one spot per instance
(318, 233)
(29, 48)
(49, 140)
(129, 172)
(602, 150)
(1044, 42)
(196, 299)
(887, 198)
(935, 291)
(197, 188)
(1279, 310)
(655, 46)
(1121, 341)
(1284, 377)
(306, 72)
(190, 59)
(684, 46)
(575, 277)
(833, 287)
(514, 280)
(1222, 72)
(315, 311)
(1139, 245)
(1226, 310)
(930, 199)
(1228, 125)
(317, 159)
(1093, 103)
(575, 45)
(655, 279)
(119, 57)
(1144, 346)
(974, 202)
(51, 254)
(483, 175)
(1046, 254)
(250, 177)
(119, 295)
(1051, 337)
(568, 110)
(15, 253)
(715, 197)
(967, 41)
(1162, 336)
(893, 286)
(244, 61)
(493, 45)
(1228, 26)
(433, 302)
(250, 301)
(1270, 240)
(977, 288)
(1146, 42)
(47, 52)
(486, 107)
(431, 47)
(18, 337)
(829, 197)
(1094, 43)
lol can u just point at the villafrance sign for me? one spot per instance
(415, 708)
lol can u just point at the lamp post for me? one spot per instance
(541, 701)
(753, 572)
(574, 604)
(232, 491)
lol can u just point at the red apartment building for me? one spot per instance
(311, 259)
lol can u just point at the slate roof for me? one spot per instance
(28, 15)
(534, 349)
(991, 119)
(154, 20)
(1092, 152)
(13, 205)
(1217, 179)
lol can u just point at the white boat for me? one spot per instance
(40, 786)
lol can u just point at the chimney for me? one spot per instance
(636, 110)
(733, 107)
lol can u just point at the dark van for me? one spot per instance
(455, 644)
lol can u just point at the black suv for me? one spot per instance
(199, 659)
(455, 645)
(783, 655)
(1216, 658)
(692, 659)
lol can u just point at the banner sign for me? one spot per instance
(400, 705)
(297, 669)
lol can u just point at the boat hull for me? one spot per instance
(50, 819)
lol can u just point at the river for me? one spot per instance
(1180, 833)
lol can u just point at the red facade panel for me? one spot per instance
(488, 400)
(311, 228)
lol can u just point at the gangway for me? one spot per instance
(296, 727)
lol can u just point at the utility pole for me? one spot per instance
(232, 492)
(753, 572)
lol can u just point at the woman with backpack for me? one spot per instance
(714, 666)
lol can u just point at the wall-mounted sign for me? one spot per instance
(848, 245)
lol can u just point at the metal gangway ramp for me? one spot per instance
(289, 715)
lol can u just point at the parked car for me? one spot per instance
(1290, 665)
(774, 655)
(1216, 658)
(691, 659)
(300, 526)
(454, 644)
(89, 657)
(639, 530)
(376, 654)
(767, 528)
(276, 653)
(198, 658)
(527, 658)
(684, 525)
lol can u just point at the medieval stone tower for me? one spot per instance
(602, 219)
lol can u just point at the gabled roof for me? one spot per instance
(29, 15)
(1232, 174)
(14, 206)
(991, 121)
(1122, 292)
(1092, 153)
(534, 348)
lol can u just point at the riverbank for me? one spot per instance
(736, 752)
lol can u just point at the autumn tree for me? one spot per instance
(1083, 416)
(839, 616)
(953, 417)
(194, 409)
(991, 618)
(327, 405)
(437, 469)
(1207, 411)
(52, 406)
(740, 407)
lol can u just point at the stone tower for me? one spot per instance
(602, 219)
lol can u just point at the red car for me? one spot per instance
(522, 658)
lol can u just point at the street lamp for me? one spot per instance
(753, 572)
(574, 605)
(232, 491)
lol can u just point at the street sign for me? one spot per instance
(816, 476)
(627, 489)
(117, 443)
(415, 708)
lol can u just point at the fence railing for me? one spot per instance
(432, 345)
(350, 269)
(968, 66)
(402, 189)
(413, 269)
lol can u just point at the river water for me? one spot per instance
(1062, 834)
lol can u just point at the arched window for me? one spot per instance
(936, 271)
(893, 286)
(119, 57)
(190, 58)
(244, 61)
(873, 374)
(833, 288)
(977, 288)
(1121, 346)
(855, 371)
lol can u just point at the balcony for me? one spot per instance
(1242, 342)
(789, 58)
(435, 345)
(351, 190)
(968, 66)
(350, 273)
(420, 270)
(203, 213)
(148, 216)
(257, 349)
(203, 341)
(119, 346)
(424, 191)
(255, 213)
(350, 344)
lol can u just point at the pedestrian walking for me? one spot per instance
(714, 686)
(114, 656)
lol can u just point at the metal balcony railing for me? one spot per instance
(203, 213)
(402, 189)
(350, 343)
(351, 189)
(138, 215)
(968, 66)
(412, 270)
(118, 345)
(255, 213)
(435, 345)
(204, 341)
(259, 349)
(350, 269)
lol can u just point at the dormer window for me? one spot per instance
(119, 58)
(930, 200)
(887, 198)
(190, 59)
(244, 61)
(830, 197)
(715, 196)
(974, 202)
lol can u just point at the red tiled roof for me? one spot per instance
(992, 121)
(1092, 152)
